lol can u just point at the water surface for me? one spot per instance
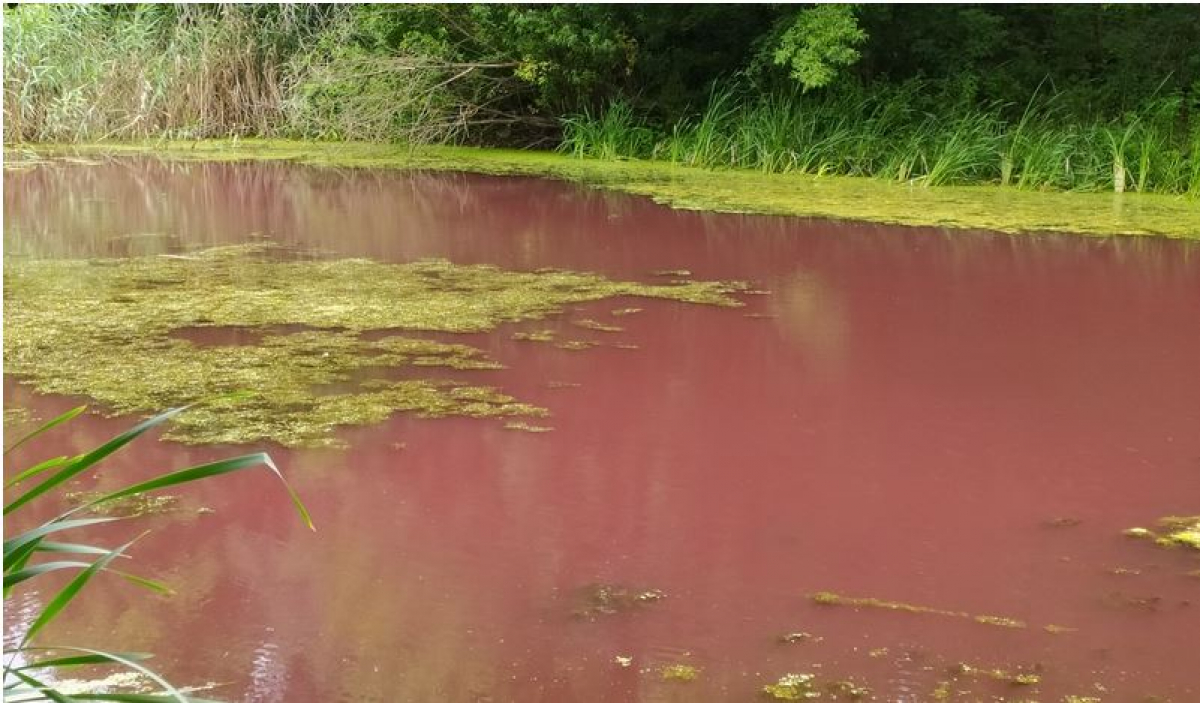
(903, 417)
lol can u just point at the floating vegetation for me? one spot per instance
(847, 689)
(623, 661)
(15, 417)
(828, 598)
(1059, 629)
(625, 345)
(626, 311)
(526, 427)
(576, 345)
(793, 687)
(293, 387)
(1124, 571)
(1016, 678)
(590, 324)
(539, 336)
(1172, 532)
(559, 385)
(609, 599)
(795, 637)
(680, 672)
(1081, 699)
(673, 273)
(878, 652)
(130, 506)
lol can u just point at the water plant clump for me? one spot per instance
(526, 427)
(292, 387)
(1172, 532)
(596, 325)
(1015, 678)
(680, 672)
(131, 506)
(829, 598)
(793, 687)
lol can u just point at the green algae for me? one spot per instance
(735, 191)
(576, 344)
(589, 324)
(111, 329)
(1015, 678)
(847, 689)
(793, 687)
(129, 506)
(680, 672)
(1172, 532)
(16, 417)
(526, 427)
(829, 598)
(538, 336)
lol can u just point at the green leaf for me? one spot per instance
(12, 579)
(82, 659)
(48, 426)
(202, 471)
(81, 464)
(36, 469)
(70, 548)
(68, 593)
(30, 536)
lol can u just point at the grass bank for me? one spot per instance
(722, 190)
(904, 134)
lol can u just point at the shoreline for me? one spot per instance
(994, 208)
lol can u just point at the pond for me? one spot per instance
(739, 448)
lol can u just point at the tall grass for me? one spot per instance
(95, 72)
(34, 552)
(900, 134)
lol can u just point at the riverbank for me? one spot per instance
(719, 190)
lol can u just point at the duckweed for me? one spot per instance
(301, 378)
(129, 506)
(680, 672)
(598, 326)
(793, 687)
(526, 427)
(1173, 532)
(538, 336)
(1017, 678)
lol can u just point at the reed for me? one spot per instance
(34, 553)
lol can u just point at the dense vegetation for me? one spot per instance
(1094, 97)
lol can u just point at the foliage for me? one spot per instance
(818, 42)
(507, 74)
(30, 554)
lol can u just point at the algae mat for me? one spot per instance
(737, 191)
(115, 330)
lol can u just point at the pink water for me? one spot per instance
(900, 418)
